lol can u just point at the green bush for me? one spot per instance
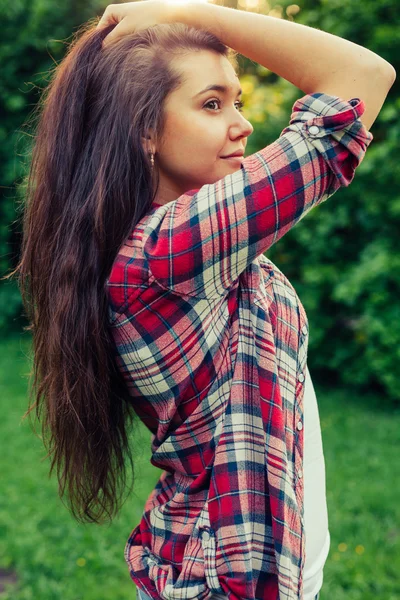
(34, 37)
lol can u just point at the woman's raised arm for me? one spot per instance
(311, 59)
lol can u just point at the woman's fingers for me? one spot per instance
(132, 16)
(109, 17)
(118, 32)
(114, 13)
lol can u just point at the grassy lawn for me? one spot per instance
(55, 558)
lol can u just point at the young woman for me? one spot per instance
(150, 294)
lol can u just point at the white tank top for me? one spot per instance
(315, 506)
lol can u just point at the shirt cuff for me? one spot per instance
(328, 113)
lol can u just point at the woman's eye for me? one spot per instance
(239, 103)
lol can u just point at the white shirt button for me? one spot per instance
(314, 130)
(300, 425)
(301, 377)
(304, 329)
(206, 536)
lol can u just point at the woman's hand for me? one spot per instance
(133, 16)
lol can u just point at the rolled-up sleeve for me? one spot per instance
(200, 243)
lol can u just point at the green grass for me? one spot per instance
(55, 558)
(39, 539)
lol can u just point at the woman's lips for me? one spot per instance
(235, 159)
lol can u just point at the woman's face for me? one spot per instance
(201, 127)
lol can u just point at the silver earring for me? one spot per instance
(152, 159)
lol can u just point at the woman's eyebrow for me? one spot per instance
(219, 88)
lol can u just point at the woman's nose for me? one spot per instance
(243, 127)
(248, 127)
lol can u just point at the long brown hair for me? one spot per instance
(89, 183)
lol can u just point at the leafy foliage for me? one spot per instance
(34, 37)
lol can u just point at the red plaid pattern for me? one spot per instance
(212, 341)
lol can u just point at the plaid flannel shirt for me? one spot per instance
(212, 341)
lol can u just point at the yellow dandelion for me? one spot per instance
(81, 562)
(342, 547)
(360, 549)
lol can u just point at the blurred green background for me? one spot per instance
(343, 259)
